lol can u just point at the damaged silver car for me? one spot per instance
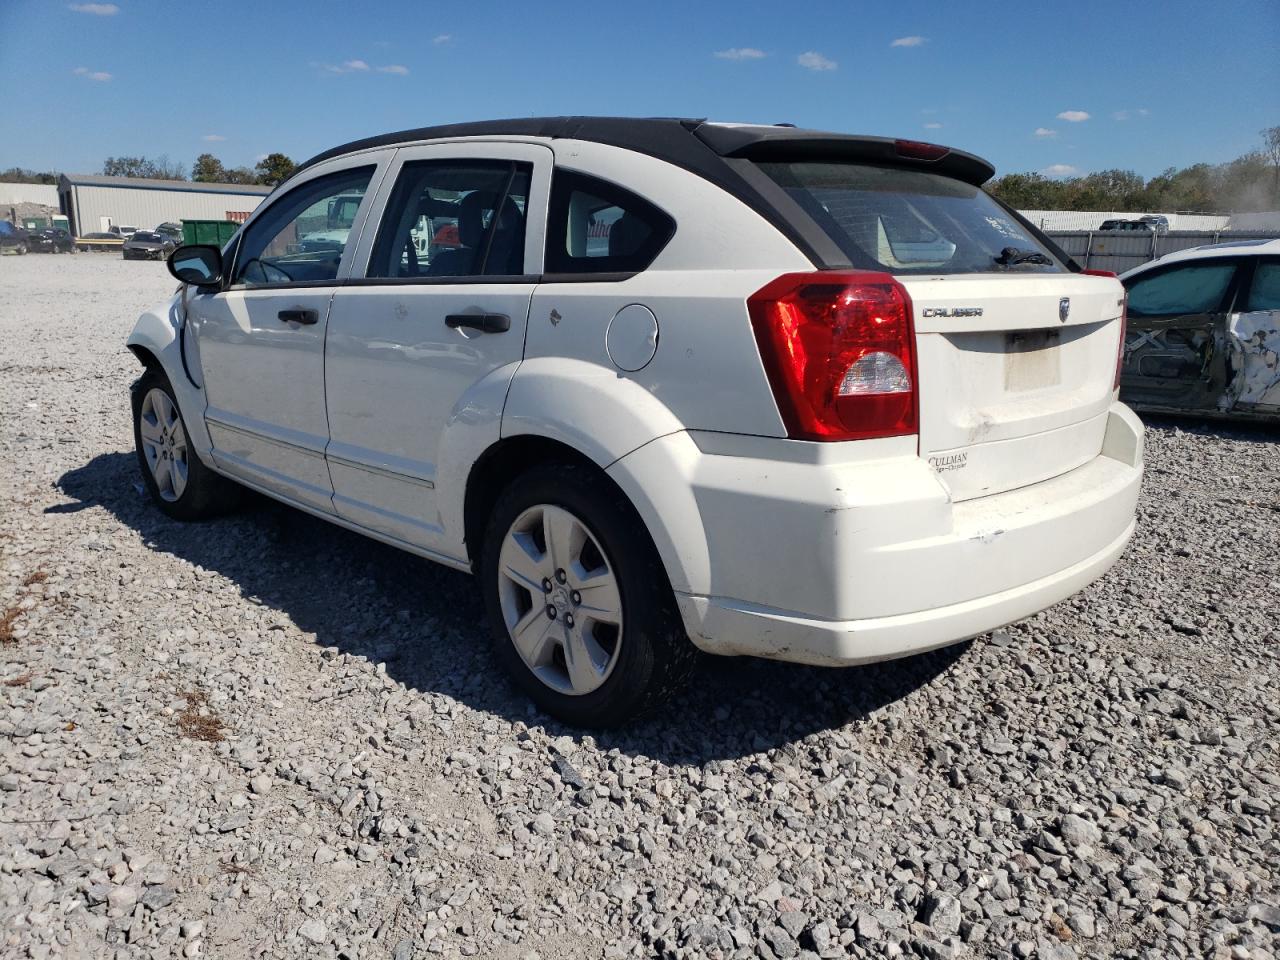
(1204, 332)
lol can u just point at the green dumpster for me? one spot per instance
(215, 233)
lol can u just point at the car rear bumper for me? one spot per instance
(846, 563)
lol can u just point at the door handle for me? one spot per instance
(484, 322)
(307, 317)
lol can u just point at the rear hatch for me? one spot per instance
(1015, 354)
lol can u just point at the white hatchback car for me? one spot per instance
(662, 385)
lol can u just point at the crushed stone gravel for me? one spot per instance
(266, 737)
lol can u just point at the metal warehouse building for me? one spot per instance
(94, 203)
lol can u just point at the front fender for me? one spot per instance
(156, 332)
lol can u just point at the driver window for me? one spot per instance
(300, 239)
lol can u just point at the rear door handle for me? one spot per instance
(299, 316)
(484, 322)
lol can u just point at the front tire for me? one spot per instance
(582, 612)
(177, 480)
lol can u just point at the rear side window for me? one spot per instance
(1194, 288)
(1265, 292)
(910, 221)
(598, 227)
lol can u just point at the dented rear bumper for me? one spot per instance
(854, 563)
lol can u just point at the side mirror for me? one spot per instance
(197, 264)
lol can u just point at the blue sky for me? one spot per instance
(1031, 86)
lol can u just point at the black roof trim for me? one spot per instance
(667, 138)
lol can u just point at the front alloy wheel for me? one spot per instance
(560, 600)
(164, 444)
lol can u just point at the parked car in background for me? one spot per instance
(1204, 332)
(13, 239)
(880, 416)
(145, 245)
(1131, 226)
(121, 231)
(51, 240)
(1157, 222)
(171, 230)
(99, 242)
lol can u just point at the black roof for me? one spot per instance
(685, 141)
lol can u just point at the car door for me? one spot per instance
(421, 346)
(260, 339)
(1176, 350)
(1254, 338)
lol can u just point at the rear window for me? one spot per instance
(909, 221)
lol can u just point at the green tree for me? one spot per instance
(1271, 149)
(208, 169)
(274, 168)
(23, 175)
(239, 175)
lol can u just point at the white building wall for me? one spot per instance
(45, 193)
(145, 209)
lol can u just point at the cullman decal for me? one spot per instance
(949, 461)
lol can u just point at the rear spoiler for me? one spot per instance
(788, 143)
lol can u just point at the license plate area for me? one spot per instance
(1032, 360)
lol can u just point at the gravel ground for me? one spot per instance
(264, 736)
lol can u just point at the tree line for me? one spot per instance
(1248, 183)
(269, 171)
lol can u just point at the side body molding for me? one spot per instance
(156, 331)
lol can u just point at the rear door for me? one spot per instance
(428, 337)
(1177, 355)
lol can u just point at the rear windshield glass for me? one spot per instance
(908, 221)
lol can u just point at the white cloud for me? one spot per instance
(1120, 115)
(812, 60)
(909, 41)
(100, 76)
(440, 38)
(1073, 116)
(1059, 170)
(1129, 114)
(933, 126)
(397, 69)
(1044, 133)
(740, 53)
(213, 138)
(348, 66)
(97, 9)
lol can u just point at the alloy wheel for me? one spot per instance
(164, 443)
(560, 600)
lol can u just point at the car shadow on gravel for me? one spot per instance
(426, 624)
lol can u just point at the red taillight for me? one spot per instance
(1124, 324)
(839, 349)
(1097, 273)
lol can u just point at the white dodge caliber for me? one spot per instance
(663, 386)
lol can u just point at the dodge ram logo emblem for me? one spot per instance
(1064, 309)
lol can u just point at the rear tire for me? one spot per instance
(562, 538)
(177, 480)
(21, 249)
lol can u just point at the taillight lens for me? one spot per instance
(1124, 329)
(839, 349)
